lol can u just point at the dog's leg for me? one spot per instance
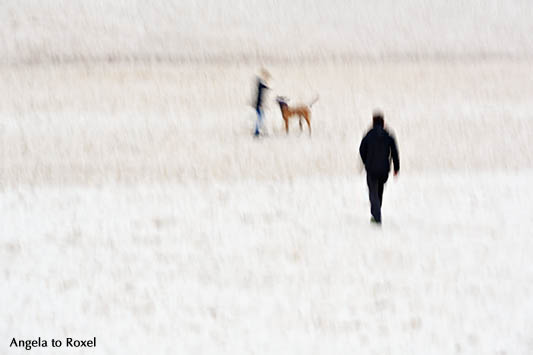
(300, 122)
(286, 125)
(308, 123)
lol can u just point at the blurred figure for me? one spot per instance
(376, 150)
(262, 82)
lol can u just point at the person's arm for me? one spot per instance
(395, 156)
(363, 149)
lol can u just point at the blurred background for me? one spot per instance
(63, 30)
(135, 205)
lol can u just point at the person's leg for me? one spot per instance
(380, 193)
(373, 194)
(381, 186)
(258, 122)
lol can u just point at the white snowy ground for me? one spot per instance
(136, 207)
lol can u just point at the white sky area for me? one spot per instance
(40, 30)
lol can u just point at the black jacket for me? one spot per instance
(260, 91)
(376, 150)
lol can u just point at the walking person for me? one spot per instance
(262, 82)
(377, 149)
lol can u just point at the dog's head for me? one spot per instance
(282, 100)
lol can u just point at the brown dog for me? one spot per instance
(298, 111)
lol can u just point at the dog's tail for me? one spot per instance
(314, 101)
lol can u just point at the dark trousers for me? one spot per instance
(375, 193)
(259, 121)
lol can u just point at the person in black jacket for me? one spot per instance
(376, 150)
(261, 87)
